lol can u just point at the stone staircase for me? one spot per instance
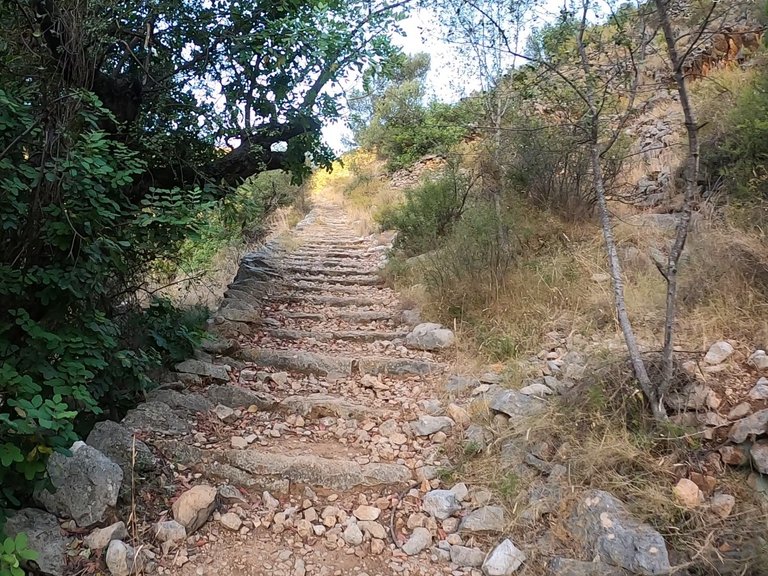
(313, 414)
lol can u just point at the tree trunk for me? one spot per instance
(690, 194)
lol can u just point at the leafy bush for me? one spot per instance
(73, 337)
(236, 219)
(14, 551)
(736, 153)
(428, 214)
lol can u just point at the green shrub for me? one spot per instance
(14, 551)
(428, 214)
(737, 154)
(235, 220)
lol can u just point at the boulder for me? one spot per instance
(122, 447)
(156, 417)
(753, 425)
(101, 537)
(418, 541)
(503, 560)
(759, 453)
(189, 403)
(602, 524)
(122, 559)
(205, 369)
(467, 557)
(440, 503)
(193, 508)
(516, 405)
(170, 531)
(44, 536)
(484, 519)
(427, 425)
(239, 397)
(718, 353)
(430, 336)
(85, 485)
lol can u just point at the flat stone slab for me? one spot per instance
(332, 301)
(321, 405)
(398, 366)
(365, 316)
(190, 403)
(297, 361)
(205, 369)
(240, 397)
(347, 336)
(156, 417)
(317, 471)
(359, 279)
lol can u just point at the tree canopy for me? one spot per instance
(120, 122)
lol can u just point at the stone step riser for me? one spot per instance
(328, 365)
(346, 336)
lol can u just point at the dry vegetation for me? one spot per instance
(601, 430)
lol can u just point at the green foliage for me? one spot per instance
(390, 114)
(13, 552)
(236, 219)
(737, 153)
(117, 154)
(428, 214)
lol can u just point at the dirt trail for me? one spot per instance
(332, 439)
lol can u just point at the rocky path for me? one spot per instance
(322, 422)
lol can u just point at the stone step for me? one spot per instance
(366, 316)
(335, 365)
(253, 468)
(333, 301)
(322, 271)
(347, 336)
(320, 405)
(360, 280)
(329, 240)
(321, 261)
(337, 288)
(345, 254)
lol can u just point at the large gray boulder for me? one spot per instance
(239, 397)
(204, 369)
(190, 403)
(156, 417)
(516, 405)
(602, 524)
(430, 336)
(85, 485)
(45, 538)
(120, 445)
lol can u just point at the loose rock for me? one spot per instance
(504, 560)
(718, 353)
(44, 536)
(759, 453)
(427, 425)
(170, 531)
(464, 556)
(101, 537)
(419, 540)
(441, 504)
(485, 519)
(429, 336)
(688, 493)
(85, 485)
(193, 508)
(122, 559)
(602, 523)
(231, 521)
